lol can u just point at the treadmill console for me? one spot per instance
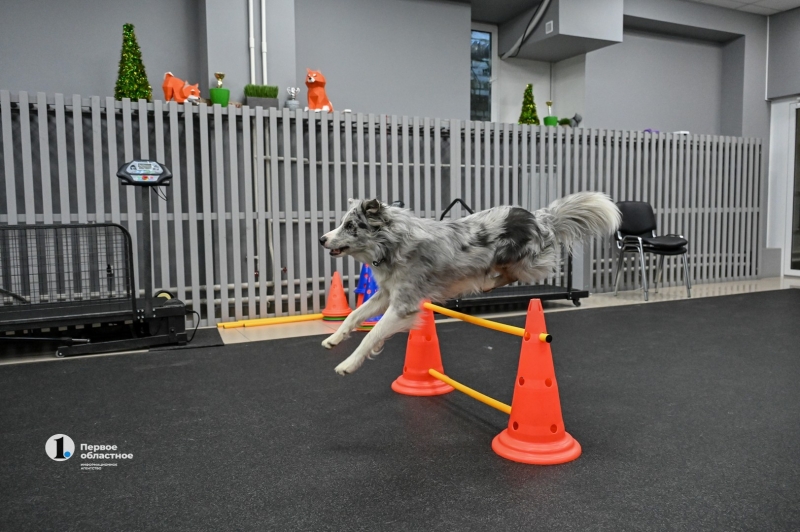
(144, 174)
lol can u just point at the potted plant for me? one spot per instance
(261, 95)
(220, 94)
(550, 120)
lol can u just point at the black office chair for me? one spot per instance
(638, 233)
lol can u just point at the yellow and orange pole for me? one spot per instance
(269, 321)
(502, 327)
(485, 399)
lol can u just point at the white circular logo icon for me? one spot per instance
(60, 447)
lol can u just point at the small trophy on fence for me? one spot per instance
(292, 102)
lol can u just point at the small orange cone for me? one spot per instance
(336, 307)
(422, 354)
(535, 433)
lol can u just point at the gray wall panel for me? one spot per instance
(404, 57)
(755, 111)
(784, 54)
(73, 46)
(226, 47)
(731, 111)
(668, 84)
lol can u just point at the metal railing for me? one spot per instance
(254, 189)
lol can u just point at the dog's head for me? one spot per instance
(192, 93)
(315, 77)
(356, 234)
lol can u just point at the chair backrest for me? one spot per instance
(637, 218)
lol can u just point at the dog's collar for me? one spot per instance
(379, 261)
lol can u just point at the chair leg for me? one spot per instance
(686, 280)
(644, 272)
(619, 271)
(659, 269)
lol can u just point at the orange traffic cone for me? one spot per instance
(336, 307)
(535, 433)
(422, 354)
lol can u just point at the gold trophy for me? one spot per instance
(550, 120)
(219, 94)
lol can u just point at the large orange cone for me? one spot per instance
(336, 307)
(422, 354)
(535, 433)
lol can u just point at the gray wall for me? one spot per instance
(784, 54)
(73, 46)
(404, 57)
(731, 111)
(282, 50)
(755, 110)
(667, 83)
(569, 87)
(226, 46)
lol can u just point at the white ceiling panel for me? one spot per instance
(781, 5)
(760, 7)
(759, 10)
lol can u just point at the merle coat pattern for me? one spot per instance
(414, 259)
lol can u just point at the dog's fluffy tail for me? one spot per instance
(583, 215)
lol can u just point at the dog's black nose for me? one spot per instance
(323, 239)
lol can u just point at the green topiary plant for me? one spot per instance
(132, 79)
(261, 91)
(528, 114)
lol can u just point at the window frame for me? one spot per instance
(494, 98)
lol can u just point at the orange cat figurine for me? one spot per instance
(317, 99)
(179, 90)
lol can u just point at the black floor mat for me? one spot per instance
(12, 348)
(688, 413)
(207, 337)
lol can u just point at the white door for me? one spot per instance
(792, 247)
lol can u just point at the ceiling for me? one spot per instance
(759, 7)
(500, 11)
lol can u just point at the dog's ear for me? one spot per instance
(352, 203)
(371, 207)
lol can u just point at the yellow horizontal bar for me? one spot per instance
(269, 321)
(509, 329)
(485, 399)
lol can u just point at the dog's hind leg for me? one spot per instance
(375, 305)
(392, 322)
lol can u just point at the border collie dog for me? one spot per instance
(415, 259)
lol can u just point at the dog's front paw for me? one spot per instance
(331, 341)
(350, 365)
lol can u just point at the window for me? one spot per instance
(480, 77)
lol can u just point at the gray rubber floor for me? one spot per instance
(688, 413)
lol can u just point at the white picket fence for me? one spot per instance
(253, 189)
